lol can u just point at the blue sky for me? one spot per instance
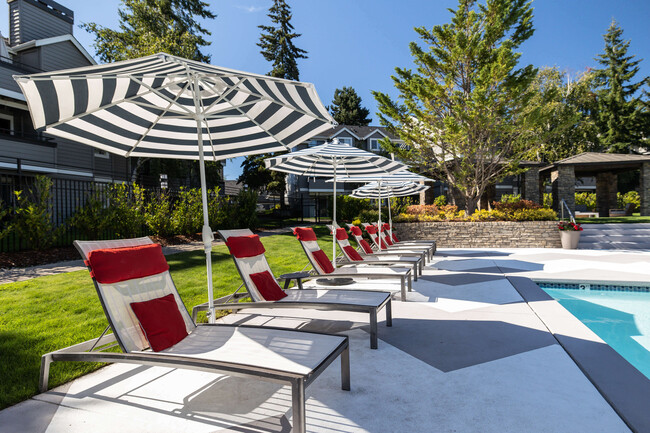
(359, 43)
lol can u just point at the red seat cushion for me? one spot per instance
(304, 234)
(267, 286)
(383, 244)
(341, 234)
(323, 261)
(395, 238)
(112, 265)
(366, 247)
(245, 246)
(387, 238)
(355, 230)
(352, 254)
(161, 321)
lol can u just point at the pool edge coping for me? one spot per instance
(627, 392)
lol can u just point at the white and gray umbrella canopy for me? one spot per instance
(388, 190)
(162, 106)
(332, 160)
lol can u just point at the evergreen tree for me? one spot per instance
(621, 118)
(277, 43)
(153, 26)
(259, 178)
(463, 113)
(346, 108)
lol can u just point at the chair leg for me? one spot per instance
(410, 283)
(403, 288)
(345, 369)
(298, 404)
(415, 271)
(46, 360)
(389, 313)
(373, 328)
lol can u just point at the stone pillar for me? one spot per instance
(606, 188)
(645, 189)
(531, 185)
(564, 187)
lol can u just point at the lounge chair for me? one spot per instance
(387, 246)
(323, 266)
(262, 288)
(367, 251)
(152, 327)
(389, 233)
(353, 257)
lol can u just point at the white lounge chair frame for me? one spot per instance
(363, 301)
(429, 248)
(418, 252)
(131, 340)
(403, 274)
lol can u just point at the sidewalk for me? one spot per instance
(14, 275)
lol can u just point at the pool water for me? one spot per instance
(620, 318)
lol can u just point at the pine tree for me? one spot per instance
(153, 26)
(620, 116)
(346, 108)
(463, 113)
(277, 43)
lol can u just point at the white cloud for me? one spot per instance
(251, 9)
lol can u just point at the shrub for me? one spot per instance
(629, 197)
(369, 216)
(246, 206)
(547, 200)
(440, 201)
(348, 208)
(5, 223)
(126, 210)
(157, 215)
(187, 215)
(34, 215)
(587, 199)
(93, 217)
(510, 198)
(512, 206)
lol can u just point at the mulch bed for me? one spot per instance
(24, 259)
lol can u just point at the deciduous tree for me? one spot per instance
(463, 113)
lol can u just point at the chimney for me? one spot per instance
(37, 19)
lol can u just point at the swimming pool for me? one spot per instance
(619, 315)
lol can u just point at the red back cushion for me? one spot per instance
(161, 321)
(352, 254)
(112, 265)
(385, 226)
(341, 234)
(245, 246)
(371, 229)
(366, 247)
(395, 238)
(304, 234)
(323, 261)
(355, 230)
(267, 286)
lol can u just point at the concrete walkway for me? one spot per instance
(13, 275)
(475, 348)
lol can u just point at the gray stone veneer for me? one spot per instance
(492, 234)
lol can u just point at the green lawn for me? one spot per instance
(635, 218)
(48, 313)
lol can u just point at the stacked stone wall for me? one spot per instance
(492, 234)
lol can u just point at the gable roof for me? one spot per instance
(358, 132)
(54, 40)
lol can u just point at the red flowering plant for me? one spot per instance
(569, 226)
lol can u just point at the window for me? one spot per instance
(374, 145)
(6, 124)
(101, 153)
(346, 140)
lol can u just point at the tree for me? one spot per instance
(568, 127)
(464, 114)
(346, 108)
(153, 26)
(148, 27)
(277, 43)
(621, 117)
(259, 178)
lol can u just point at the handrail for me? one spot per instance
(563, 205)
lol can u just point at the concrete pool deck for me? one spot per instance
(477, 347)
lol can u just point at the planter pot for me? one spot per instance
(570, 239)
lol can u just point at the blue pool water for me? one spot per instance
(618, 316)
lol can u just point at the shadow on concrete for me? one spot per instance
(488, 266)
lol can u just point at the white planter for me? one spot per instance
(570, 239)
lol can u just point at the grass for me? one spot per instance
(635, 218)
(49, 313)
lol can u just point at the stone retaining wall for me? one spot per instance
(492, 234)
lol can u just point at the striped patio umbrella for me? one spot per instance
(331, 160)
(162, 106)
(397, 177)
(388, 189)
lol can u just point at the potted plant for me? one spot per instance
(569, 234)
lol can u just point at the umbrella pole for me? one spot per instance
(206, 232)
(390, 220)
(334, 219)
(379, 220)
